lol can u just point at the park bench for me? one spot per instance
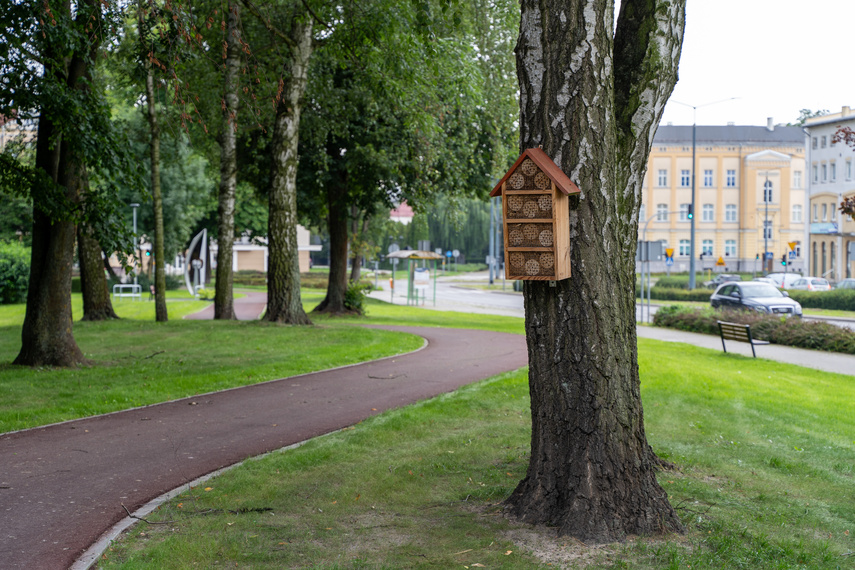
(738, 332)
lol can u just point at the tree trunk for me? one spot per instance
(224, 305)
(46, 335)
(338, 229)
(283, 271)
(358, 236)
(97, 305)
(592, 472)
(158, 258)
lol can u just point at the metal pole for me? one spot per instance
(492, 238)
(692, 220)
(766, 223)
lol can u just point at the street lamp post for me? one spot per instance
(692, 219)
(135, 206)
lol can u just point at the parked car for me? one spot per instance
(722, 278)
(811, 284)
(761, 297)
(846, 284)
(763, 280)
(783, 280)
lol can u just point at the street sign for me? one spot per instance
(669, 261)
(393, 248)
(669, 252)
(792, 245)
(769, 255)
(720, 262)
(792, 255)
(438, 251)
(448, 254)
(455, 253)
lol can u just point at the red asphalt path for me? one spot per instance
(62, 486)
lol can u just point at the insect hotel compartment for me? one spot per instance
(535, 212)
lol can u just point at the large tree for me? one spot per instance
(591, 95)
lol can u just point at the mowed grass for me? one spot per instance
(139, 362)
(765, 455)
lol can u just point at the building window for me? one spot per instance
(825, 212)
(824, 141)
(642, 213)
(825, 172)
(685, 179)
(833, 170)
(767, 191)
(706, 247)
(813, 143)
(797, 213)
(815, 174)
(730, 213)
(767, 229)
(684, 247)
(815, 216)
(848, 170)
(684, 213)
(813, 257)
(662, 179)
(798, 249)
(708, 179)
(797, 179)
(731, 178)
(708, 213)
(730, 247)
(661, 212)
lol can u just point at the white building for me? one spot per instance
(831, 178)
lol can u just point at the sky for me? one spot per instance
(775, 56)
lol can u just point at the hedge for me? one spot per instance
(815, 335)
(837, 299)
(14, 272)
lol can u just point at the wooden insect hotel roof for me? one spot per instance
(542, 160)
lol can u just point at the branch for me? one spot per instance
(144, 520)
(276, 31)
(315, 16)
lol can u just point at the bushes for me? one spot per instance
(14, 272)
(838, 299)
(816, 335)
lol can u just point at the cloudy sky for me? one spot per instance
(775, 56)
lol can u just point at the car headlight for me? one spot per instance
(761, 309)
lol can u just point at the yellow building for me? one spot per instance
(749, 197)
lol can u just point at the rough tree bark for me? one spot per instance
(97, 305)
(224, 306)
(338, 228)
(160, 314)
(46, 335)
(283, 271)
(593, 101)
(358, 231)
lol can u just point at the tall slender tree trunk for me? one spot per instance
(160, 313)
(46, 335)
(592, 101)
(224, 306)
(283, 271)
(358, 231)
(97, 305)
(338, 229)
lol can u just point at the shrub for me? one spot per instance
(14, 272)
(816, 335)
(673, 294)
(673, 282)
(354, 297)
(249, 277)
(838, 299)
(206, 294)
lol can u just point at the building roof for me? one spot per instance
(844, 116)
(546, 164)
(730, 134)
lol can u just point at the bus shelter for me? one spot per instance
(418, 274)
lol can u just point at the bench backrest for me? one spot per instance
(735, 331)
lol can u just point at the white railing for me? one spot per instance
(127, 290)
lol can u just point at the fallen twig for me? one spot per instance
(154, 354)
(142, 519)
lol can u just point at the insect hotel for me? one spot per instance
(535, 218)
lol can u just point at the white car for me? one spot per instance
(783, 280)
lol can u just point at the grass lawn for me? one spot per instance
(766, 456)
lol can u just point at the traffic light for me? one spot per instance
(784, 260)
(690, 213)
(148, 253)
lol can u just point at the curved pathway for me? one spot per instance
(62, 486)
(247, 308)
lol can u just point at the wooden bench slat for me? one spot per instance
(738, 332)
